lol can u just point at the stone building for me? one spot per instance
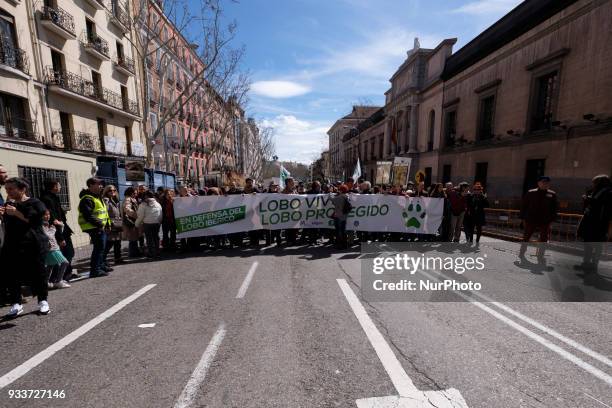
(68, 92)
(531, 95)
(343, 155)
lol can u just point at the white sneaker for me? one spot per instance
(61, 285)
(16, 309)
(50, 285)
(43, 307)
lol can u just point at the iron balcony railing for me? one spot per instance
(60, 18)
(82, 141)
(120, 14)
(20, 128)
(126, 63)
(84, 87)
(14, 57)
(94, 41)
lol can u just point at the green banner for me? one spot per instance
(210, 219)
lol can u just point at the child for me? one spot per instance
(55, 261)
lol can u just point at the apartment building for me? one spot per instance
(68, 92)
(192, 130)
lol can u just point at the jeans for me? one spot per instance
(152, 236)
(340, 226)
(168, 235)
(68, 252)
(455, 227)
(96, 263)
(115, 245)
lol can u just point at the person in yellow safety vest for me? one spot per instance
(94, 220)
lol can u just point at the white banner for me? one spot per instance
(214, 215)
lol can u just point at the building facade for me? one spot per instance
(68, 92)
(528, 96)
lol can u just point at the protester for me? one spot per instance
(290, 234)
(273, 235)
(94, 220)
(596, 223)
(25, 247)
(3, 287)
(475, 214)
(458, 206)
(254, 236)
(111, 200)
(55, 262)
(131, 232)
(342, 206)
(3, 178)
(168, 221)
(50, 197)
(539, 209)
(150, 216)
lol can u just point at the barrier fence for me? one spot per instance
(504, 222)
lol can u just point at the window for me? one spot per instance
(534, 169)
(153, 127)
(450, 127)
(446, 173)
(372, 149)
(486, 117)
(432, 127)
(120, 56)
(7, 30)
(57, 60)
(544, 96)
(13, 120)
(97, 84)
(481, 173)
(90, 27)
(380, 148)
(36, 177)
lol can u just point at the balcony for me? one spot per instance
(125, 65)
(96, 46)
(58, 21)
(21, 129)
(58, 140)
(119, 17)
(14, 58)
(82, 141)
(75, 86)
(97, 4)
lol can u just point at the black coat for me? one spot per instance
(597, 216)
(53, 204)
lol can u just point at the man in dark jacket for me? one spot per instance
(3, 178)
(52, 201)
(538, 211)
(596, 225)
(94, 220)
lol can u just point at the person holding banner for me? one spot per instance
(273, 235)
(342, 206)
(290, 234)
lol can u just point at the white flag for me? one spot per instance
(357, 171)
(284, 174)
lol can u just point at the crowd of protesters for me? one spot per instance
(37, 249)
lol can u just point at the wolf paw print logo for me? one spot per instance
(414, 214)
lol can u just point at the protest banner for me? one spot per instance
(210, 215)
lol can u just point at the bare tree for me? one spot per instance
(261, 149)
(161, 28)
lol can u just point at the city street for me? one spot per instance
(286, 327)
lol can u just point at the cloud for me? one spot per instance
(374, 59)
(487, 7)
(296, 139)
(279, 89)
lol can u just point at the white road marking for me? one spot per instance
(409, 395)
(146, 325)
(187, 397)
(39, 358)
(247, 281)
(592, 397)
(522, 329)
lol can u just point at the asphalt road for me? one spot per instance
(288, 328)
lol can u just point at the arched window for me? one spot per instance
(432, 127)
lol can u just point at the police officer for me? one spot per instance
(94, 220)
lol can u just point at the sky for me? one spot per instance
(310, 60)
